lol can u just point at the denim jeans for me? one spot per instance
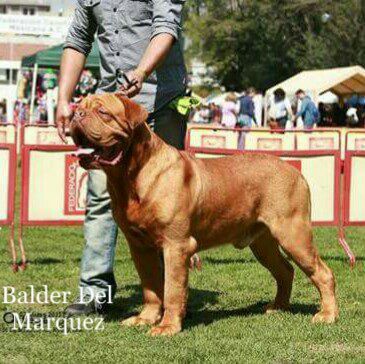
(245, 121)
(100, 229)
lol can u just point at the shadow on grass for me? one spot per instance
(46, 261)
(126, 307)
(207, 317)
(197, 314)
(343, 258)
(229, 260)
(116, 261)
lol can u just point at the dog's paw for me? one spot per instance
(274, 308)
(324, 317)
(139, 321)
(165, 330)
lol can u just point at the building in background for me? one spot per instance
(24, 7)
(26, 27)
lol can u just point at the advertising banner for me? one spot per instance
(7, 183)
(53, 186)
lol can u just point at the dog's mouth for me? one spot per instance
(92, 154)
(109, 156)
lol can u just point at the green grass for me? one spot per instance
(225, 322)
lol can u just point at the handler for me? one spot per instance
(141, 38)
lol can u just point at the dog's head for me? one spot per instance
(102, 128)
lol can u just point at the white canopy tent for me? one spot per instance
(342, 82)
(328, 98)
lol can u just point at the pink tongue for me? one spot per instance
(83, 151)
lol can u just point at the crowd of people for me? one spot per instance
(283, 113)
(352, 115)
(235, 111)
(45, 96)
(206, 114)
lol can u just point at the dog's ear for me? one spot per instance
(134, 113)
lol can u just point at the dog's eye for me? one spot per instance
(104, 114)
(102, 111)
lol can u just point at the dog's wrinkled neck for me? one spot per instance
(143, 144)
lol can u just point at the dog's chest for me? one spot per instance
(139, 221)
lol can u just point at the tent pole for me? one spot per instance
(34, 84)
(264, 124)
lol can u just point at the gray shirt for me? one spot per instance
(124, 29)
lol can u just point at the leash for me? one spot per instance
(346, 247)
(122, 79)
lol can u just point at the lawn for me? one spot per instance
(225, 321)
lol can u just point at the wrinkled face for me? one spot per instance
(102, 128)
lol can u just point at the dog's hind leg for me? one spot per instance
(294, 235)
(148, 264)
(266, 250)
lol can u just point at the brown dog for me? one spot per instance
(165, 200)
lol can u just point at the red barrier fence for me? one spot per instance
(316, 153)
(53, 186)
(8, 183)
(354, 171)
(229, 139)
(40, 134)
(322, 170)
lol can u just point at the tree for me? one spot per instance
(260, 43)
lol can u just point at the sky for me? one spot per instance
(58, 4)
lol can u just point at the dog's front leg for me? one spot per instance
(177, 259)
(148, 264)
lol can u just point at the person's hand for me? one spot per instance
(63, 118)
(136, 78)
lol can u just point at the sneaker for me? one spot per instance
(79, 309)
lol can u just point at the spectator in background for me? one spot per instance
(210, 114)
(308, 110)
(246, 113)
(361, 113)
(205, 114)
(326, 115)
(352, 118)
(197, 117)
(280, 111)
(217, 114)
(3, 118)
(229, 115)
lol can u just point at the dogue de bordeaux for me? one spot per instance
(165, 200)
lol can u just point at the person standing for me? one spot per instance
(3, 111)
(246, 114)
(352, 117)
(142, 39)
(217, 114)
(280, 111)
(229, 115)
(308, 110)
